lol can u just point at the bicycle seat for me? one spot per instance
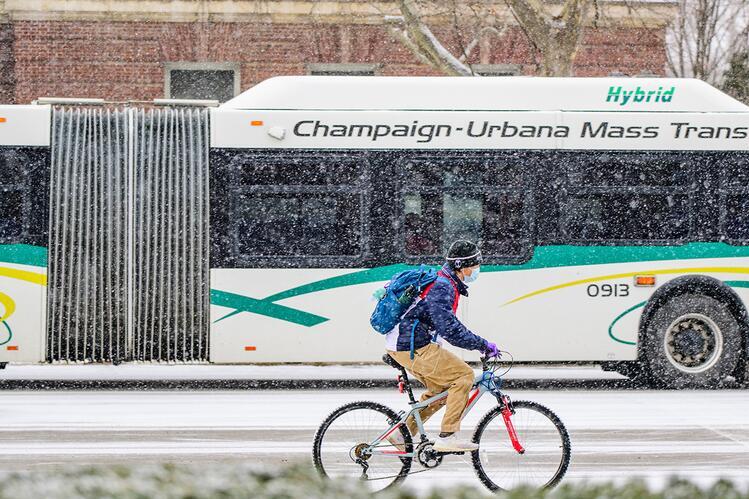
(387, 359)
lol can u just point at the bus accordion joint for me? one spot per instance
(645, 280)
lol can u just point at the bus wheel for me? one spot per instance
(692, 341)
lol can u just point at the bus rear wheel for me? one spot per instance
(692, 341)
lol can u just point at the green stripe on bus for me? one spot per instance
(10, 333)
(620, 316)
(568, 256)
(262, 307)
(360, 277)
(737, 284)
(23, 254)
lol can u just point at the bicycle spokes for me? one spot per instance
(536, 453)
(349, 445)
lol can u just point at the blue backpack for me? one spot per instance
(399, 294)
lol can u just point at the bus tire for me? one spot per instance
(692, 341)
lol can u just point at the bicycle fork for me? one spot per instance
(507, 412)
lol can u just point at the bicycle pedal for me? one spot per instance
(438, 453)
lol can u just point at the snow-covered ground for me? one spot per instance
(616, 435)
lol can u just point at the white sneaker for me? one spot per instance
(397, 441)
(453, 444)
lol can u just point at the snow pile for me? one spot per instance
(231, 481)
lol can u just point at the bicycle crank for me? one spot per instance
(427, 456)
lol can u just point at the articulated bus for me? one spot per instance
(612, 213)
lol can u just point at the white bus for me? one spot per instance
(613, 215)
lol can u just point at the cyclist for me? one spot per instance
(416, 344)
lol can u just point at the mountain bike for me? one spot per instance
(520, 442)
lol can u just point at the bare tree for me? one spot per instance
(556, 36)
(555, 33)
(464, 17)
(704, 37)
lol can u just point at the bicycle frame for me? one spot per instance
(484, 382)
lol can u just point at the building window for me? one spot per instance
(496, 69)
(214, 81)
(342, 69)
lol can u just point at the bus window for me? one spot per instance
(734, 182)
(608, 170)
(23, 212)
(299, 223)
(11, 214)
(293, 172)
(482, 199)
(300, 210)
(622, 216)
(736, 218)
(627, 198)
(497, 221)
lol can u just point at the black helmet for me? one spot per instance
(463, 254)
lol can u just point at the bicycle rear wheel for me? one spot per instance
(347, 432)
(543, 437)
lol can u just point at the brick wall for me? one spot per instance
(7, 64)
(125, 60)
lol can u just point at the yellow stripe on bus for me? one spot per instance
(721, 270)
(24, 275)
(8, 304)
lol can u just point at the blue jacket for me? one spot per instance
(434, 315)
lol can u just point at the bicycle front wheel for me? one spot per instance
(343, 446)
(545, 442)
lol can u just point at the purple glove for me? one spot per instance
(491, 350)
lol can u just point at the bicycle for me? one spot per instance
(520, 443)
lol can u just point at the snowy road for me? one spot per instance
(615, 434)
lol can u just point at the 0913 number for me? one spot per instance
(606, 290)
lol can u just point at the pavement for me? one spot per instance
(615, 434)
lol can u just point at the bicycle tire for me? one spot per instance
(518, 406)
(362, 405)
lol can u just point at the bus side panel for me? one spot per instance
(540, 315)
(328, 325)
(22, 298)
(584, 313)
(24, 226)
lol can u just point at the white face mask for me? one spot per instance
(474, 275)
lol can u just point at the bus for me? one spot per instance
(612, 213)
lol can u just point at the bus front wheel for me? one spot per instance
(692, 341)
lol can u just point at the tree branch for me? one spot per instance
(428, 45)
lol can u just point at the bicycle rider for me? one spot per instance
(430, 321)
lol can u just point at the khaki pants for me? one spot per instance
(439, 370)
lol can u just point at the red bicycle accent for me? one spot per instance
(400, 383)
(506, 415)
(473, 396)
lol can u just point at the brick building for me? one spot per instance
(146, 49)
